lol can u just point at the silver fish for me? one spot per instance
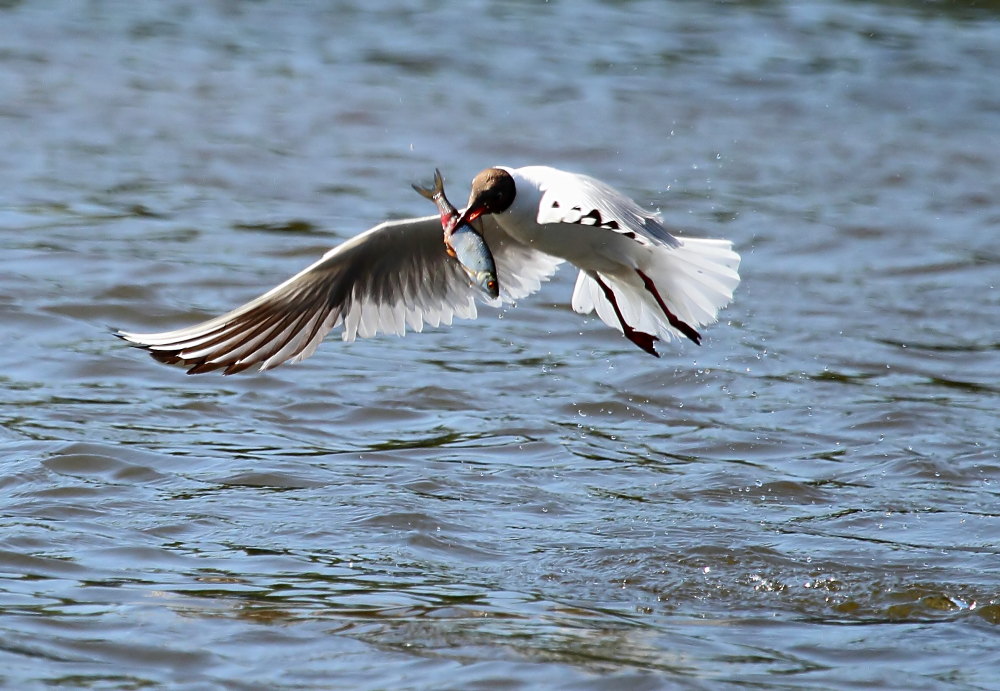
(463, 243)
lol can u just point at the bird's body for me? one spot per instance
(637, 276)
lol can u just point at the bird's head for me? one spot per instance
(492, 192)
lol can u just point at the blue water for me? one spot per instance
(808, 500)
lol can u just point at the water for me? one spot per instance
(524, 501)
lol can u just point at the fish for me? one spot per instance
(463, 242)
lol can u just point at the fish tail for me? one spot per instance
(437, 190)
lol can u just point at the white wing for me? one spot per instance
(520, 269)
(583, 200)
(393, 275)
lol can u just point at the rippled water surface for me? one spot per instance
(810, 499)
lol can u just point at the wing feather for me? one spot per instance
(583, 200)
(521, 269)
(394, 275)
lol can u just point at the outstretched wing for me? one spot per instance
(393, 275)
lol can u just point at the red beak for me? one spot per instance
(470, 215)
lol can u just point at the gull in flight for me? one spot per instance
(637, 276)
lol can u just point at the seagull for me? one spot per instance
(640, 279)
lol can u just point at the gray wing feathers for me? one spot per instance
(378, 282)
(385, 279)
